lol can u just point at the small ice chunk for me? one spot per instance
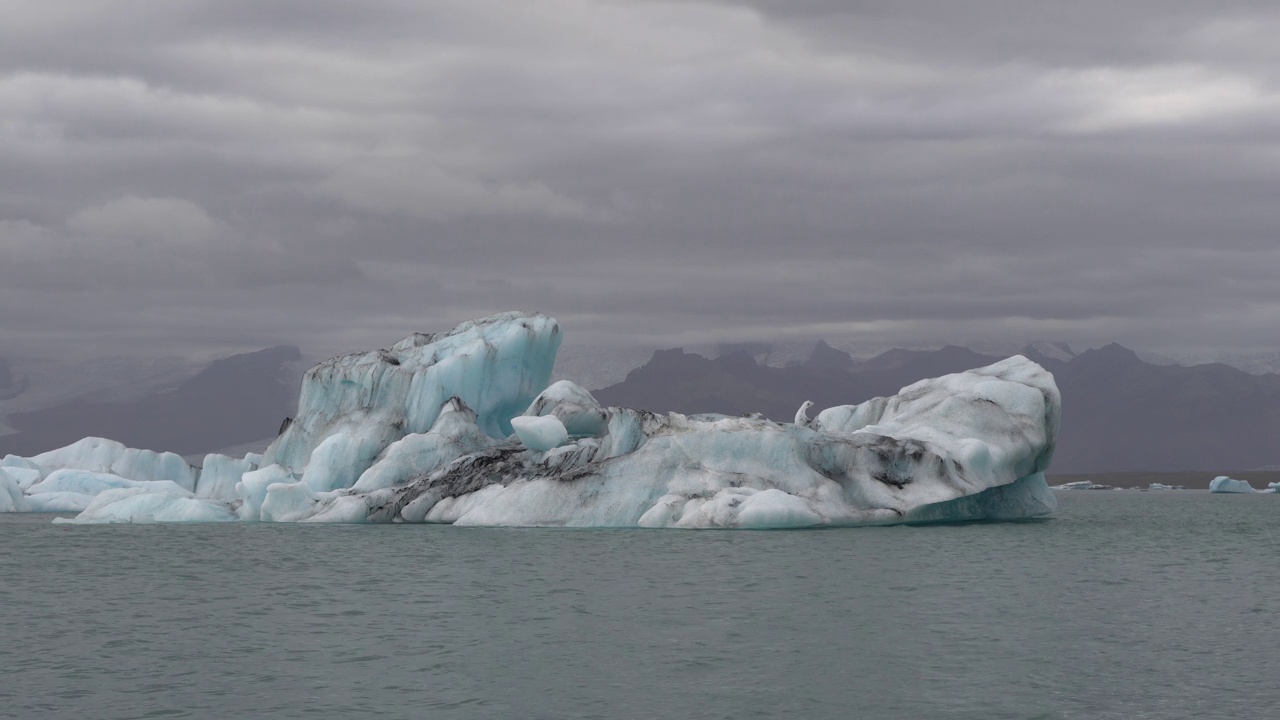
(577, 409)
(802, 415)
(540, 433)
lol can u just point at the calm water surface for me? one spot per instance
(1126, 605)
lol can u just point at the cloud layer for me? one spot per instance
(203, 176)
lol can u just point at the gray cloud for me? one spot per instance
(200, 176)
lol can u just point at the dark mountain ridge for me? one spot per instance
(233, 400)
(1120, 413)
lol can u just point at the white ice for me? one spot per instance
(540, 434)
(576, 409)
(149, 505)
(219, 475)
(909, 458)
(453, 435)
(11, 497)
(25, 477)
(70, 490)
(1082, 485)
(288, 502)
(108, 456)
(252, 489)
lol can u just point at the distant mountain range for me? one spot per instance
(9, 386)
(1120, 413)
(229, 402)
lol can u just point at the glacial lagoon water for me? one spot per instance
(1124, 605)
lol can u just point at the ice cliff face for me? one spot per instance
(462, 428)
(352, 407)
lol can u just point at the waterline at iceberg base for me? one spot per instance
(464, 428)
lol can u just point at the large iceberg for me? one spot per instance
(463, 428)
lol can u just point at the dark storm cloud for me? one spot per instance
(203, 176)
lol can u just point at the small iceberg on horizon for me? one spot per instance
(1226, 485)
(1083, 485)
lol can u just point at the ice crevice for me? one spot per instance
(464, 427)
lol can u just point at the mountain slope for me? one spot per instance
(233, 400)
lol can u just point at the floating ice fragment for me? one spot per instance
(540, 434)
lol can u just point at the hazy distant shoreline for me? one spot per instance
(1197, 480)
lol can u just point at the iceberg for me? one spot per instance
(463, 427)
(1082, 485)
(108, 456)
(1224, 484)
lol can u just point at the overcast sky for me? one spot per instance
(196, 177)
